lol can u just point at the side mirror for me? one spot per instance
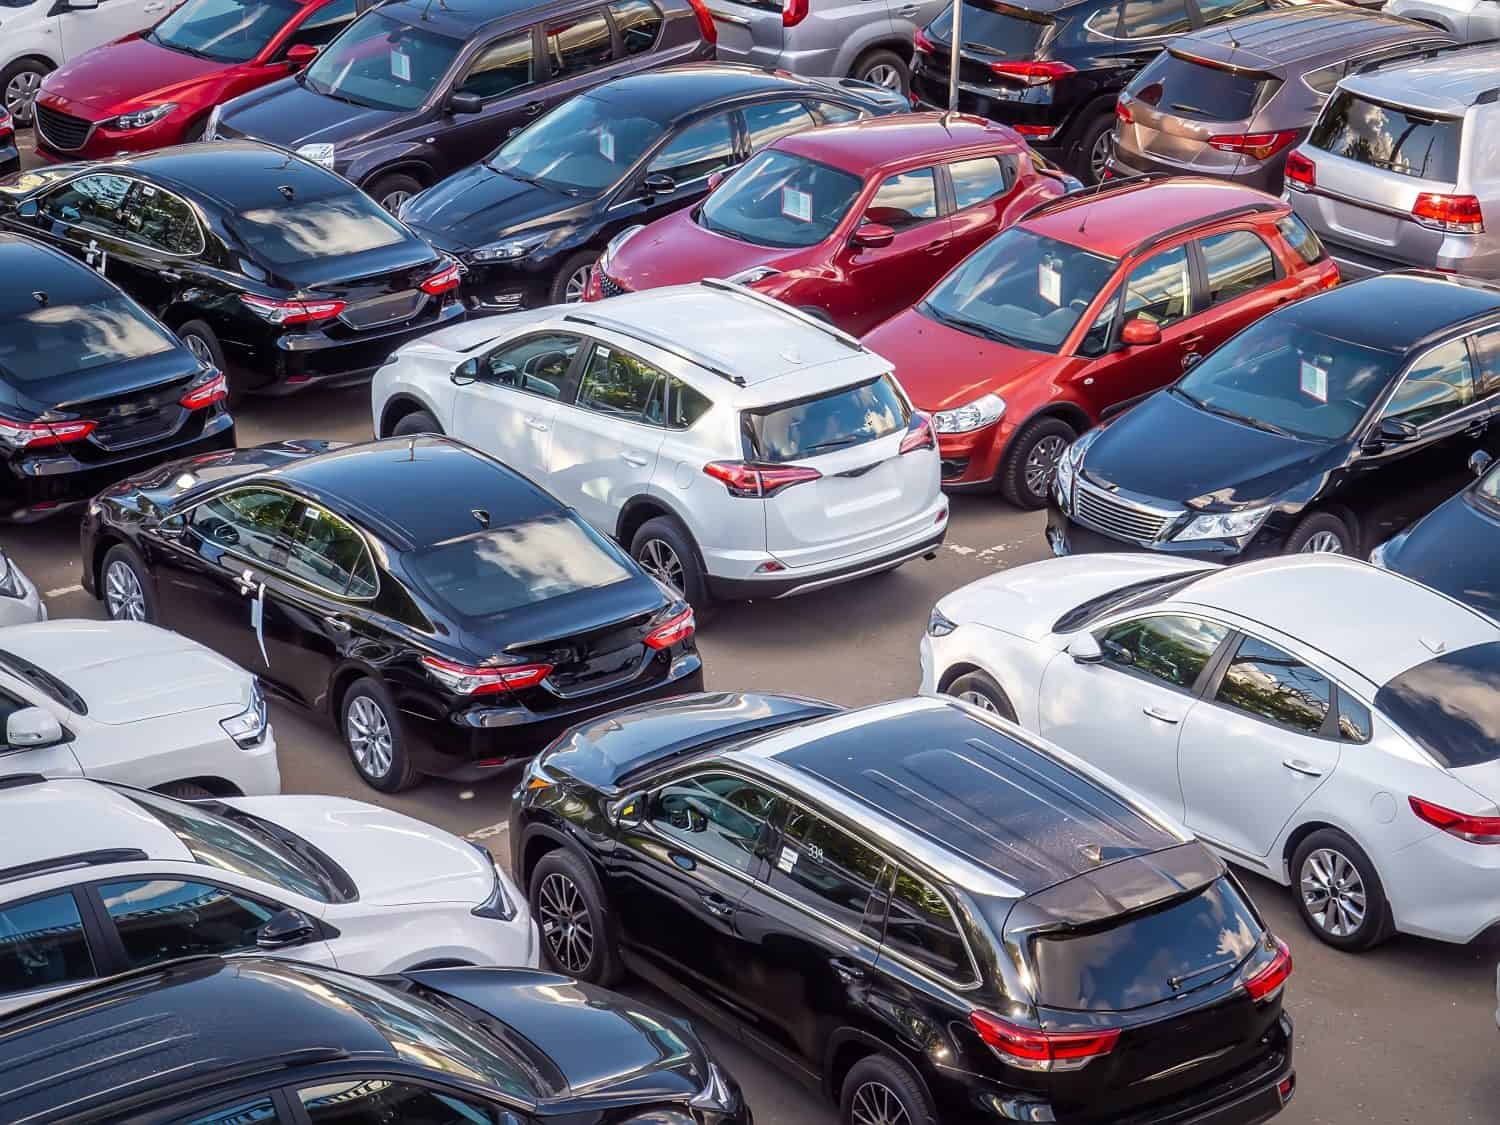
(301, 54)
(1140, 333)
(658, 183)
(464, 102)
(1085, 649)
(1480, 462)
(1393, 431)
(872, 236)
(284, 928)
(31, 727)
(174, 527)
(715, 179)
(28, 210)
(82, 5)
(629, 812)
(465, 373)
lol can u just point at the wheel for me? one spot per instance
(125, 586)
(1339, 893)
(980, 689)
(577, 932)
(19, 83)
(884, 68)
(373, 736)
(665, 550)
(571, 281)
(1321, 533)
(203, 342)
(185, 791)
(1094, 147)
(880, 1091)
(417, 422)
(1030, 463)
(393, 190)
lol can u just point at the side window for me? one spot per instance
(42, 944)
(831, 113)
(1325, 78)
(319, 28)
(770, 121)
(1173, 650)
(977, 181)
(539, 365)
(382, 1101)
(639, 22)
(1300, 237)
(163, 221)
(163, 919)
(623, 387)
(1262, 680)
(685, 406)
(1237, 262)
(501, 67)
(579, 44)
(1439, 383)
(697, 151)
(256, 1111)
(826, 868)
(904, 200)
(1144, 19)
(1487, 351)
(718, 814)
(1159, 289)
(1217, 11)
(250, 521)
(920, 925)
(1354, 719)
(93, 203)
(328, 553)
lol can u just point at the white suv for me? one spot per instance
(737, 447)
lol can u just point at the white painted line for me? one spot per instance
(61, 590)
(489, 832)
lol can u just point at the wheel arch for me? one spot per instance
(397, 407)
(415, 167)
(536, 842)
(344, 677)
(848, 1046)
(954, 671)
(648, 506)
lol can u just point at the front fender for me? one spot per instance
(417, 159)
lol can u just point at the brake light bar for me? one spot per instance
(749, 481)
(673, 631)
(1301, 173)
(442, 281)
(1259, 145)
(1035, 132)
(921, 44)
(462, 679)
(1034, 1049)
(34, 435)
(1033, 73)
(1268, 982)
(206, 394)
(918, 434)
(1474, 829)
(1457, 214)
(793, 12)
(1122, 111)
(276, 311)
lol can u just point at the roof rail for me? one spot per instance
(1258, 207)
(1421, 53)
(656, 341)
(73, 860)
(739, 290)
(1102, 187)
(16, 780)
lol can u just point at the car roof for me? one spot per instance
(863, 146)
(459, 20)
(47, 819)
(1117, 220)
(1318, 599)
(1414, 306)
(237, 175)
(1302, 35)
(1448, 83)
(64, 280)
(664, 95)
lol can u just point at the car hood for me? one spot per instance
(479, 205)
(677, 251)
(942, 368)
(127, 672)
(393, 859)
(1454, 550)
(118, 76)
(288, 114)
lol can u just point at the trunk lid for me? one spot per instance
(749, 30)
(992, 33)
(1180, 102)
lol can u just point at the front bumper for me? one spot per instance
(972, 459)
(805, 580)
(507, 288)
(103, 143)
(26, 609)
(1066, 536)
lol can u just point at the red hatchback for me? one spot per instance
(158, 87)
(1085, 306)
(851, 223)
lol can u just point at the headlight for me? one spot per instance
(938, 625)
(318, 154)
(981, 412)
(716, 1094)
(1070, 462)
(248, 728)
(211, 130)
(499, 906)
(10, 578)
(1225, 525)
(509, 249)
(613, 246)
(140, 118)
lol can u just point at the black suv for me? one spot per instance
(1052, 69)
(414, 90)
(927, 910)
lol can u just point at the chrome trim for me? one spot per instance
(1165, 517)
(36, 121)
(847, 576)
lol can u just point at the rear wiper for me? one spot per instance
(835, 443)
(1175, 983)
(1186, 108)
(983, 49)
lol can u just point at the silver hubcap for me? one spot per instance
(393, 201)
(578, 283)
(1333, 892)
(877, 1104)
(1099, 156)
(123, 597)
(20, 93)
(369, 733)
(884, 75)
(1323, 543)
(983, 702)
(565, 923)
(1041, 464)
(200, 349)
(662, 562)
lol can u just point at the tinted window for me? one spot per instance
(39, 343)
(1450, 705)
(319, 28)
(781, 200)
(163, 221)
(539, 365)
(1300, 237)
(919, 924)
(226, 30)
(1140, 19)
(717, 814)
(383, 63)
(1133, 964)
(1216, 11)
(1237, 262)
(582, 145)
(1324, 79)
(1184, 88)
(1171, 649)
(623, 387)
(257, 1111)
(814, 426)
(697, 151)
(379, 1101)
(770, 121)
(1262, 680)
(579, 44)
(250, 521)
(1439, 383)
(162, 919)
(326, 552)
(42, 944)
(685, 406)
(334, 227)
(1487, 352)
(638, 22)
(500, 68)
(825, 867)
(830, 113)
(1160, 289)
(1354, 719)
(93, 203)
(904, 200)
(977, 181)
(1404, 141)
(1005, 30)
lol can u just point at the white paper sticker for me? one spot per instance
(1049, 283)
(788, 859)
(401, 66)
(796, 204)
(1314, 381)
(147, 190)
(607, 145)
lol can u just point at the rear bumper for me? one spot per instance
(807, 579)
(1248, 1098)
(1469, 254)
(1443, 888)
(930, 92)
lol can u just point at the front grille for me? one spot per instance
(609, 286)
(380, 311)
(1113, 516)
(62, 130)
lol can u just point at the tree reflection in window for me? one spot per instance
(1265, 681)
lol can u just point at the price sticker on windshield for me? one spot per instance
(400, 66)
(607, 145)
(1314, 381)
(796, 204)
(787, 860)
(1049, 283)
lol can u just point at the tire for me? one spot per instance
(876, 1087)
(980, 689)
(417, 422)
(885, 69)
(393, 190)
(578, 935)
(19, 83)
(660, 541)
(203, 342)
(1329, 855)
(125, 586)
(371, 727)
(1029, 464)
(185, 791)
(1098, 132)
(1317, 531)
(571, 278)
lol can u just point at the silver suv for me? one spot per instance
(1400, 169)
(1471, 20)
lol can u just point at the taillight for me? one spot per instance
(921, 44)
(793, 12)
(276, 311)
(706, 26)
(1122, 111)
(1301, 173)
(461, 679)
(918, 434)
(1267, 982)
(1032, 1049)
(8, 126)
(1033, 73)
(757, 481)
(205, 394)
(1259, 145)
(442, 281)
(1474, 829)
(673, 631)
(1035, 132)
(31, 435)
(1458, 214)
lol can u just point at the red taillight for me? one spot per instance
(1258, 145)
(706, 26)
(291, 312)
(1458, 214)
(918, 434)
(442, 281)
(921, 44)
(673, 631)
(206, 394)
(1268, 981)
(755, 481)
(31, 435)
(1122, 111)
(1032, 73)
(1035, 132)
(1474, 829)
(793, 12)
(461, 679)
(8, 126)
(1031, 1049)
(1301, 173)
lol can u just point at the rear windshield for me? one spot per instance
(1450, 705)
(334, 227)
(781, 200)
(815, 426)
(52, 340)
(1188, 88)
(1148, 957)
(994, 29)
(1398, 140)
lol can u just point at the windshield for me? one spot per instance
(1020, 289)
(1450, 705)
(227, 30)
(1404, 141)
(53, 340)
(382, 63)
(781, 200)
(335, 227)
(40, 678)
(583, 145)
(1282, 376)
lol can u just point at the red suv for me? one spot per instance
(158, 87)
(1084, 306)
(850, 222)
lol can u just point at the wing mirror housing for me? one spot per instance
(1392, 431)
(465, 102)
(1480, 462)
(31, 728)
(1140, 333)
(284, 928)
(82, 5)
(301, 54)
(629, 812)
(873, 236)
(658, 183)
(1084, 649)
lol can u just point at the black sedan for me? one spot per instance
(92, 388)
(275, 270)
(533, 218)
(187, 1043)
(448, 614)
(10, 155)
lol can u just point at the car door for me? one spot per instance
(83, 28)
(606, 443)
(882, 279)
(374, 1098)
(711, 144)
(50, 761)
(1242, 281)
(1159, 291)
(162, 242)
(1262, 741)
(981, 189)
(505, 76)
(1438, 402)
(1124, 713)
(85, 217)
(45, 948)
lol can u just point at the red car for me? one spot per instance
(849, 222)
(1085, 306)
(158, 87)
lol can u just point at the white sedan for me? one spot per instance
(122, 701)
(1332, 726)
(20, 603)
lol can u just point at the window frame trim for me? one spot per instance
(135, 181)
(534, 32)
(100, 954)
(1436, 426)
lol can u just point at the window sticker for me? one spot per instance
(787, 860)
(1314, 381)
(401, 66)
(1049, 282)
(607, 145)
(796, 204)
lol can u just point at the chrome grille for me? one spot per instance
(609, 286)
(1108, 513)
(389, 309)
(62, 130)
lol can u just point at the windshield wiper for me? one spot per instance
(1245, 419)
(977, 327)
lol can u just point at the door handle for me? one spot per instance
(1297, 765)
(168, 275)
(539, 426)
(717, 905)
(910, 11)
(246, 583)
(1160, 716)
(937, 247)
(336, 623)
(848, 971)
(531, 109)
(633, 459)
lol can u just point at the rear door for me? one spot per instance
(881, 280)
(508, 404)
(1242, 280)
(980, 189)
(45, 948)
(84, 29)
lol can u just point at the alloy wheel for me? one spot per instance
(1323, 543)
(124, 599)
(980, 700)
(1333, 892)
(369, 733)
(885, 76)
(1041, 463)
(565, 923)
(200, 349)
(394, 200)
(1104, 145)
(20, 95)
(662, 562)
(875, 1103)
(578, 283)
